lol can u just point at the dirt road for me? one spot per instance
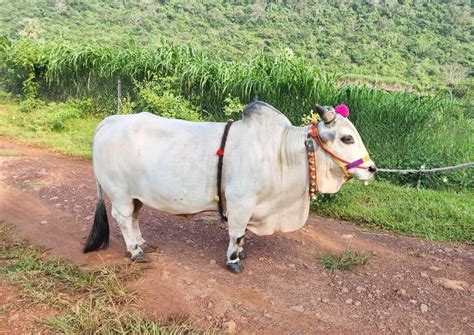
(406, 287)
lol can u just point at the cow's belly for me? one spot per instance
(175, 196)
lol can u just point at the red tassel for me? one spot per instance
(220, 152)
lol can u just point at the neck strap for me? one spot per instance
(220, 163)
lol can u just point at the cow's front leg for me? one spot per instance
(240, 208)
(234, 252)
(240, 247)
(236, 241)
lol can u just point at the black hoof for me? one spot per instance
(242, 255)
(140, 258)
(235, 267)
(148, 248)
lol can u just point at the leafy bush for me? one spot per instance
(47, 117)
(86, 106)
(30, 104)
(21, 66)
(157, 97)
(233, 107)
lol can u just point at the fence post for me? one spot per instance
(119, 94)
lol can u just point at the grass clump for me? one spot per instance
(8, 153)
(346, 260)
(56, 282)
(91, 317)
(87, 301)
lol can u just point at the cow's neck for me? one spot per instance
(293, 148)
(286, 207)
(295, 169)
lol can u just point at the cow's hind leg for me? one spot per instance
(144, 245)
(123, 214)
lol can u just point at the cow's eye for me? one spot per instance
(348, 139)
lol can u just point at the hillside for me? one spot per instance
(427, 43)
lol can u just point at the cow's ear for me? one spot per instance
(326, 134)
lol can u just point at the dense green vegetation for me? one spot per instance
(410, 41)
(400, 129)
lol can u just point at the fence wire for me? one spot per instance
(421, 170)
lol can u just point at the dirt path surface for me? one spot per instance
(17, 316)
(408, 286)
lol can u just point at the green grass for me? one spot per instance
(346, 260)
(85, 301)
(74, 140)
(435, 215)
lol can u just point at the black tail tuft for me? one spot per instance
(99, 235)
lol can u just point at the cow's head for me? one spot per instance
(339, 135)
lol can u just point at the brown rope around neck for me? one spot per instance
(220, 163)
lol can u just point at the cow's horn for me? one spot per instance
(324, 114)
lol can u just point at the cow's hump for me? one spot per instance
(258, 110)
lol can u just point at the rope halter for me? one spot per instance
(345, 165)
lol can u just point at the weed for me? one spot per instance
(6, 153)
(211, 222)
(31, 184)
(5, 308)
(346, 260)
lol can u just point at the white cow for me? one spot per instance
(171, 165)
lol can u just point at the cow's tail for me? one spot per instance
(99, 234)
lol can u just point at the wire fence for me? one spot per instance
(394, 139)
(423, 170)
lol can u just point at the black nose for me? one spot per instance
(372, 168)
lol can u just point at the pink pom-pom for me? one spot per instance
(342, 110)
